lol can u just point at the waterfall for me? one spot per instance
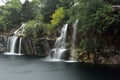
(12, 40)
(74, 53)
(74, 34)
(20, 30)
(60, 43)
(20, 41)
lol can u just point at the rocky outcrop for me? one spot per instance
(108, 58)
(39, 47)
(3, 41)
(66, 55)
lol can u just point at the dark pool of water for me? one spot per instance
(34, 68)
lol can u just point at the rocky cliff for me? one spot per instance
(3, 42)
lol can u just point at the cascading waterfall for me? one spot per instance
(20, 42)
(60, 43)
(74, 34)
(11, 43)
(20, 30)
(73, 50)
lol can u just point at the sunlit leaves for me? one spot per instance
(14, 4)
(57, 16)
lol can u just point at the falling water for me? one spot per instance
(74, 53)
(11, 44)
(20, 45)
(60, 43)
(20, 30)
(74, 34)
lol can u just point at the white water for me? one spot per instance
(11, 44)
(20, 30)
(60, 43)
(58, 52)
(20, 45)
(73, 48)
(74, 34)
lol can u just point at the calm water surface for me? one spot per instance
(34, 68)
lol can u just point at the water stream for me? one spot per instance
(12, 40)
(60, 43)
(74, 52)
(74, 34)
(20, 43)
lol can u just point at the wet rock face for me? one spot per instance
(2, 48)
(51, 53)
(3, 41)
(39, 48)
(66, 55)
(45, 45)
(114, 59)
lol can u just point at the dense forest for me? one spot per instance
(98, 28)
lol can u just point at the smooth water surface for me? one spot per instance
(34, 68)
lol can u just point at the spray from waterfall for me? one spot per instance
(60, 43)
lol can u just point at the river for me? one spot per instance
(35, 68)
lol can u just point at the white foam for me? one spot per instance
(8, 53)
(53, 60)
(71, 61)
(49, 59)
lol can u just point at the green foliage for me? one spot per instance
(82, 9)
(36, 29)
(67, 3)
(29, 28)
(94, 24)
(113, 1)
(103, 18)
(13, 13)
(58, 16)
(96, 17)
(49, 8)
(14, 4)
(10, 16)
(28, 11)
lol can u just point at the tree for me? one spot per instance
(58, 16)
(49, 7)
(113, 1)
(10, 14)
(28, 11)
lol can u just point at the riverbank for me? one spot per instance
(108, 60)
